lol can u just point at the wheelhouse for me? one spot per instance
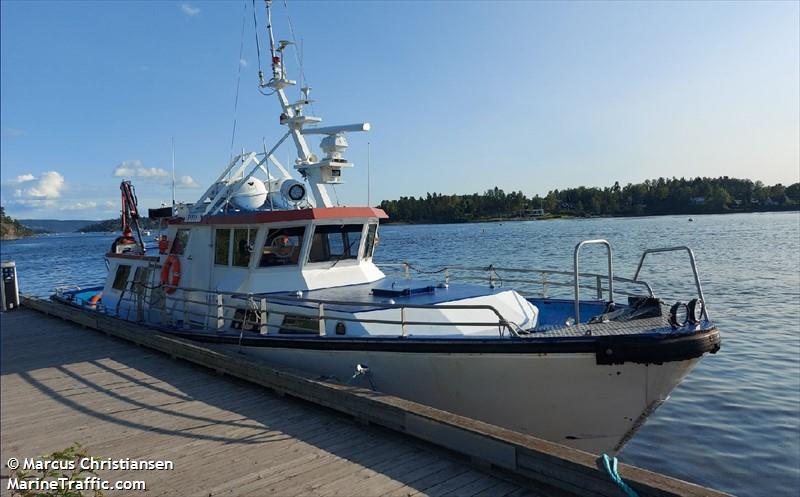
(245, 253)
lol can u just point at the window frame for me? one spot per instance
(114, 283)
(174, 246)
(141, 279)
(367, 256)
(229, 252)
(252, 235)
(303, 248)
(358, 249)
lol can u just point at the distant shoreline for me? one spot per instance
(573, 217)
(494, 219)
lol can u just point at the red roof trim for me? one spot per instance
(297, 215)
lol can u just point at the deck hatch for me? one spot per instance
(402, 289)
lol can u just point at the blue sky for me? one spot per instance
(462, 96)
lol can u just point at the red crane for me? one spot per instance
(130, 218)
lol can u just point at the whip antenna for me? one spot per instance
(269, 30)
(173, 173)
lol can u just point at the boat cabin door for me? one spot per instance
(191, 246)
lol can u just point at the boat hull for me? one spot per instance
(565, 398)
(585, 390)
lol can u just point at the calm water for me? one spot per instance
(733, 424)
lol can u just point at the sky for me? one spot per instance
(461, 96)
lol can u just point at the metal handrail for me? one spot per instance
(578, 248)
(502, 323)
(130, 296)
(699, 287)
(407, 267)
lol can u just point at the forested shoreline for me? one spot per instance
(662, 196)
(11, 229)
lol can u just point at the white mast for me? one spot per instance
(173, 173)
(317, 172)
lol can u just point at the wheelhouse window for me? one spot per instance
(140, 280)
(180, 242)
(334, 243)
(121, 277)
(282, 247)
(222, 239)
(243, 240)
(371, 242)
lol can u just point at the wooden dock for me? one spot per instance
(209, 413)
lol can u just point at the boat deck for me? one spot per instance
(558, 311)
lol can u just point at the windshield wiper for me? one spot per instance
(344, 253)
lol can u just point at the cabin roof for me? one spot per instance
(277, 216)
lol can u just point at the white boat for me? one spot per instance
(270, 265)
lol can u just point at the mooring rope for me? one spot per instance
(610, 465)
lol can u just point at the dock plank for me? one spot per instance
(62, 383)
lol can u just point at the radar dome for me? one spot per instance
(250, 196)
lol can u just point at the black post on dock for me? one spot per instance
(9, 290)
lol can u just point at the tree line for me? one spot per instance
(115, 224)
(11, 229)
(653, 197)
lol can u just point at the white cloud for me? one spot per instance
(187, 182)
(135, 169)
(33, 203)
(47, 187)
(243, 62)
(79, 206)
(109, 204)
(31, 192)
(189, 10)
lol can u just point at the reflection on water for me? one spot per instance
(733, 424)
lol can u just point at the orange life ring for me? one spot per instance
(171, 274)
(95, 299)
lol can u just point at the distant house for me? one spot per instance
(697, 200)
(531, 212)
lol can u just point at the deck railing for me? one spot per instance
(692, 262)
(195, 307)
(542, 286)
(186, 308)
(602, 284)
